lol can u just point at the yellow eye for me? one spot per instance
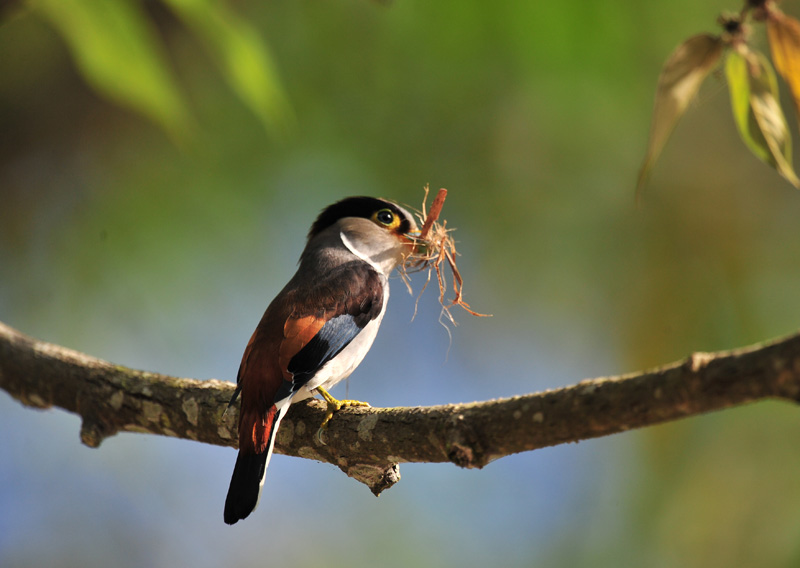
(387, 218)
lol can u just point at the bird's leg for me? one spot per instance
(335, 405)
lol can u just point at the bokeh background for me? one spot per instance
(155, 239)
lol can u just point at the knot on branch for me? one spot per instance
(94, 431)
(463, 445)
(787, 381)
(377, 477)
(698, 360)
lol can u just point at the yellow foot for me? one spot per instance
(335, 406)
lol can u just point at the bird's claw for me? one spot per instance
(334, 406)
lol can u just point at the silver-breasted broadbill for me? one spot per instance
(317, 329)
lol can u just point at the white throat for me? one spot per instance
(351, 247)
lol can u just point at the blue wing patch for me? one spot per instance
(329, 341)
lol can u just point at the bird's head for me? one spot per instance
(375, 230)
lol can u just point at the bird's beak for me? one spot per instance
(420, 246)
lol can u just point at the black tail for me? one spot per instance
(245, 486)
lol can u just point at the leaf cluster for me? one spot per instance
(752, 84)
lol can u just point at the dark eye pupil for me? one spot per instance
(385, 217)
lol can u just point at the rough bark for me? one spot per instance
(369, 443)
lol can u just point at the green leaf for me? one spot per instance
(678, 83)
(739, 89)
(754, 99)
(118, 53)
(243, 57)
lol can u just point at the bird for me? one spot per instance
(317, 329)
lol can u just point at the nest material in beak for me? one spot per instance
(435, 247)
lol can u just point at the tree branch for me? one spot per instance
(368, 443)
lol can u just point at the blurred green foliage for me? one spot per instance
(116, 240)
(117, 49)
(118, 52)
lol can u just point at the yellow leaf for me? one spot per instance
(784, 43)
(680, 79)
